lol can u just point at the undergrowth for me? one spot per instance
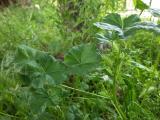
(51, 70)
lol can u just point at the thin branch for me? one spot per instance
(87, 93)
(8, 115)
(150, 3)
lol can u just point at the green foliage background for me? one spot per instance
(55, 64)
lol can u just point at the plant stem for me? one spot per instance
(87, 93)
(116, 103)
(150, 3)
(11, 116)
(116, 76)
(141, 12)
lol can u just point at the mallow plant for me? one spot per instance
(43, 68)
(43, 76)
(117, 27)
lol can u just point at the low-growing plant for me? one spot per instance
(42, 74)
(45, 76)
(119, 28)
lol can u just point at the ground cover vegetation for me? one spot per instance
(78, 60)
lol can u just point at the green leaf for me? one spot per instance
(130, 25)
(117, 25)
(155, 12)
(149, 26)
(39, 101)
(82, 59)
(139, 4)
(52, 71)
(25, 58)
(140, 66)
(114, 19)
(130, 20)
(109, 27)
(40, 67)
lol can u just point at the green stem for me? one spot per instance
(114, 101)
(116, 77)
(87, 93)
(150, 3)
(11, 116)
(116, 104)
(141, 12)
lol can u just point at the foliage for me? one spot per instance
(40, 66)
(131, 66)
(77, 17)
(117, 27)
(139, 4)
(31, 26)
(155, 12)
(52, 67)
(82, 59)
(45, 69)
